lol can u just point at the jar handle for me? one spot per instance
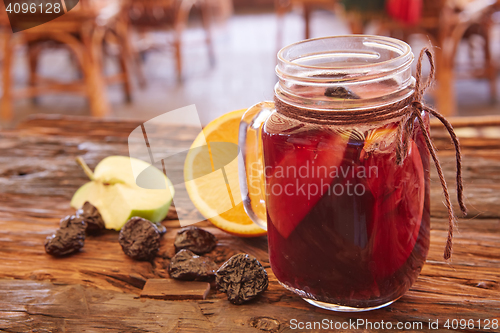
(251, 163)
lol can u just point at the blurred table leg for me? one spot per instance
(207, 26)
(95, 82)
(307, 20)
(445, 92)
(6, 101)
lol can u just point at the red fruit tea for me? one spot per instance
(346, 224)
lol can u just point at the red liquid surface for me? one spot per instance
(346, 224)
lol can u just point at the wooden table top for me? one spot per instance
(97, 289)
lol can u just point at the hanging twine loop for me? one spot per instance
(407, 111)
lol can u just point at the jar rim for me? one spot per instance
(375, 70)
(404, 50)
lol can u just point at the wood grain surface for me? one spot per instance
(97, 290)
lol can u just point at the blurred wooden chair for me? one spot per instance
(168, 15)
(489, 70)
(306, 6)
(82, 31)
(446, 24)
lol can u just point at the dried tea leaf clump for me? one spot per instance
(195, 239)
(340, 92)
(186, 265)
(69, 238)
(92, 218)
(139, 239)
(242, 278)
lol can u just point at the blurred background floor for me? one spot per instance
(245, 48)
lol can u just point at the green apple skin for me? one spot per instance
(117, 197)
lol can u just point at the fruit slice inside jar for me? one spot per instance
(298, 175)
(397, 213)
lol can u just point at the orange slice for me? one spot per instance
(212, 185)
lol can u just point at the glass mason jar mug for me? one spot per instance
(348, 226)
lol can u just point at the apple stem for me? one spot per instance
(85, 167)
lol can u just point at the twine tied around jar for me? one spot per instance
(408, 110)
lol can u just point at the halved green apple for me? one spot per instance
(114, 192)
